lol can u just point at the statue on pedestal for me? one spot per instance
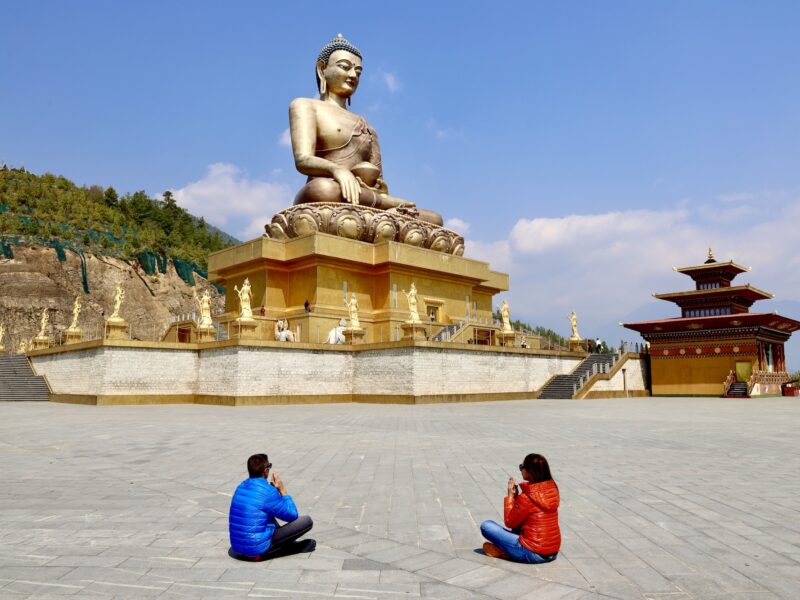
(2, 335)
(23, 347)
(411, 296)
(505, 313)
(337, 149)
(43, 324)
(119, 297)
(245, 297)
(352, 309)
(204, 305)
(282, 331)
(573, 321)
(76, 310)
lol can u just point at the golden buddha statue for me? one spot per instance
(338, 149)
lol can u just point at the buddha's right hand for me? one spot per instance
(349, 184)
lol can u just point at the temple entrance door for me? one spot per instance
(743, 371)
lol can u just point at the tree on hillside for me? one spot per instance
(111, 197)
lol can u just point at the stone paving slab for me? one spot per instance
(662, 499)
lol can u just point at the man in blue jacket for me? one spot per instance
(256, 504)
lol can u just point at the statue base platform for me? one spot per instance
(73, 336)
(506, 338)
(414, 331)
(323, 270)
(247, 328)
(364, 224)
(116, 329)
(40, 343)
(206, 334)
(576, 345)
(353, 336)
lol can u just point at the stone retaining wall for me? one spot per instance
(270, 372)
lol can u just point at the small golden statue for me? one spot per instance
(119, 297)
(245, 298)
(23, 346)
(337, 149)
(573, 321)
(504, 312)
(411, 297)
(76, 310)
(352, 309)
(204, 305)
(2, 335)
(43, 324)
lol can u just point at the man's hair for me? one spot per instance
(257, 464)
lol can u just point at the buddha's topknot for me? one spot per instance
(337, 43)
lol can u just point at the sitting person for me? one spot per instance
(255, 506)
(531, 516)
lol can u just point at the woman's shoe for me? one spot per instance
(490, 549)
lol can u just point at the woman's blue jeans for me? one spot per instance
(508, 542)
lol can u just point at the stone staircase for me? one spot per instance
(447, 332)
(17, 381)
(565, 386)
(737, 390)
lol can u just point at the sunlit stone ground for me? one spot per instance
(661, 498)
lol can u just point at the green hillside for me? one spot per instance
(52, 210)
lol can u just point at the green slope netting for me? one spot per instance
(151, 262)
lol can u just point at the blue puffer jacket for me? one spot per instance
(251, 521)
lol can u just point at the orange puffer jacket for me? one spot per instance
(536, 511)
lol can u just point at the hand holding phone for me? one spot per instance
(512, 487)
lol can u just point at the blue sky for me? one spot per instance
(584, 147)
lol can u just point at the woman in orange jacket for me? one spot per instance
(531, 516)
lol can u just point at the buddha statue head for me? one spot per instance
(338, 68)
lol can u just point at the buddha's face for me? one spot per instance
(342, 73)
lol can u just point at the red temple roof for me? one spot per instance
(770, 320)
(726, 267)
(747, 292)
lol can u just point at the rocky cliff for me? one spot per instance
(35, 279)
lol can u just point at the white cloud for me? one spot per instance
(227, 198)
(605, 266)
(392, 82)
(286, 138)
(457, 225)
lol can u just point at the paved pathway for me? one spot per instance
(665, 499)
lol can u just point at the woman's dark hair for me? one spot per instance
(537, 467)
(257, 464)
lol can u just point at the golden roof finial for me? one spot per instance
(710, 253)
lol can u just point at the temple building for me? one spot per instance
(717, 347)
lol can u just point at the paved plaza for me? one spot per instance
(666, 499)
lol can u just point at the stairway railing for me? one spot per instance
(729, 381)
